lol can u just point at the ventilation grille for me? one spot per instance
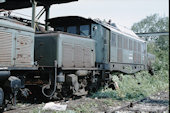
(5, 48)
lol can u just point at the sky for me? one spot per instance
(123, 12)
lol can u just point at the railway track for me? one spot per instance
(158, 103)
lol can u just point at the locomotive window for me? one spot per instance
(113, 40)
(59, 29)
(84, 30)
(72, 29)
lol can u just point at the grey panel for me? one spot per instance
(142, 59)
(139, 47)
(135, 46)
(5, 48)
(113, 54)
(75, 51)
(126, 58)
(24, 50)
(113, 40)
(87, 57)
(130, 56)
(113, 48)
(139, 58)
(119, 55)
(119, 41)
(135, 57)
(130, 44)
(78, 56)
(125, 43)
(68, 55)
(119, 50)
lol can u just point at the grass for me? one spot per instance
(136, 87)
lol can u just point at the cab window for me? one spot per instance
(84, 30)
(72, 29)
(59, 29)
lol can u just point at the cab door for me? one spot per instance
(24, 50)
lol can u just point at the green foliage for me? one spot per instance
(136, 87)
(153, 23)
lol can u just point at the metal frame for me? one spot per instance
(153, 34)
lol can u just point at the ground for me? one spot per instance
(154, 103)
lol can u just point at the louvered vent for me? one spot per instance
(5, 48)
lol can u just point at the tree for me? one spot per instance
(154, 23)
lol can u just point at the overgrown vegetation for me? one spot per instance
(142, 84)
(138, 86)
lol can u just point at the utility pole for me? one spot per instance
(34, 5)
(47, 16)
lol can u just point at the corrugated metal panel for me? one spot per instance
(5, 48)
(78, 56)
(119, 55)
(130, 45)
(134, 57)
(139, 58)
(135, 46)
(125, 41)
(24, 50)
(87, 57)
(119, 50)
(113, 40)
(139, 47)
(119, 42)
(67, 55)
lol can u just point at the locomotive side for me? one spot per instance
(117, 49)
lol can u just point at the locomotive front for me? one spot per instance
(16, 56)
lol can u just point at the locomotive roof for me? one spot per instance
(19, 4)
(73, 20)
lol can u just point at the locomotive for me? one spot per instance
(78, 56)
